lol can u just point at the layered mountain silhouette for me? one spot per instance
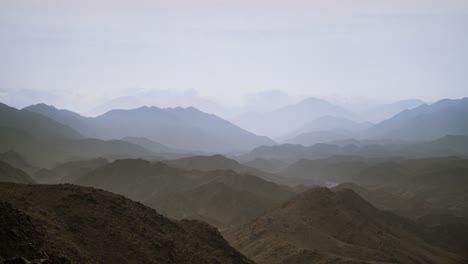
(383, 112)
(68, 172)
(321, 226)
(44, 141)
(25, 122)
(72, 224)
(329, 124)
(268, 165)
(316, 137)
(221, 197)
(183, 128)
(219, 162)
(413, 188)
(449, 145)
(16, 160)
(426, 122)
(292, 117)
(149, 144)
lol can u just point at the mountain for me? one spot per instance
(446, 146)
(70, 171)
(330, 124)
(386, 111)
(270, 165)
(138, 179)
(222, 198)
(387, 201)
(63, 116)
(148, 144)
(326, 129)
(329, 171)
(9, 173)
(182, 128)
(18, 125)
(72, 224)
(408, 187)
(321, 226)
(293, 152)
(219, 162)
(44, 142)
(16, 160)
(316, 137)
(207, 163)
(426, 122)
(287, 119)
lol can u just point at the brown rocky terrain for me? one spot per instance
(321, 226)
(72, 224)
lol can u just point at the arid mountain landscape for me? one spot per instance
(384, 200)
(233, 132)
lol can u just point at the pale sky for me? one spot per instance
(81, 54)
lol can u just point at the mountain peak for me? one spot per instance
(42, 106)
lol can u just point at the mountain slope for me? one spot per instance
(44, 142)
(442, 147)
(330, 124)
(16, 160)
(70, 171)
(272, 166)
(42, 127)
(383, 112)
(223, 199)
(11, 174)
(193, 194)
(72, 224)
(288, 119)
(426, 122)
(149, 144)
(316, 137)
(219, 162)
(184, 128)
(339, 227)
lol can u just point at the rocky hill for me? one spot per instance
(72, 224)
(222, 197)
(9, 173)
(321, 226)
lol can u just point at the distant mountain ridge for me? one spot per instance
(43, 128)
(190, 194)
(287, 119)
(40, 139)
(184, 128)
(449, 145)
(426, 122)
(383, 112)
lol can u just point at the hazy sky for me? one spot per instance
(81, 54)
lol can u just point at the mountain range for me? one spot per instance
(183, 128)
(386, 111)
(445, 146)
(292, 116)
(219, 197)
(426, 122)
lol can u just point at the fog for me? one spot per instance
(90, 56)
